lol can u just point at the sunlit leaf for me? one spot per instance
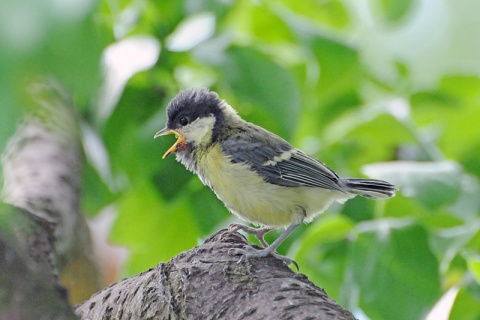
(466, 306)
(340, 70)
(432, 183)
(396, 10)
(331, 12)
(333, 77)
(256, 21)
(474, 267)
(441, 220)
(452, 109)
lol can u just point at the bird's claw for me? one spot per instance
(258, 232)
(286, 260)
(252, 253)
(236, 251)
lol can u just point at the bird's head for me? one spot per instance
(196, 117)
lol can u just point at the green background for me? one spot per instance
(385, 88)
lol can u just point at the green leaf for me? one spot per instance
(465, 89)
(128, 137)
(474, 267)
(331, 12)
(73, 53)
(257, 21)
(333, 79)
(469, 159)
(452, 110)
(340, 72)
(389, 265)
(402, 206)
(362, 136)
(359, 209)
(271, 89)
(152, 230)
(434, 184)
(97, 195)
(441, 220)
(208, 211)
(320, 251)
(395, 10)
(466, 306)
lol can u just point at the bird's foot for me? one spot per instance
(252, 253)
(258, 232)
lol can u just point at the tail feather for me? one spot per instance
(369, 188)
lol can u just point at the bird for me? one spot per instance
(259, 176)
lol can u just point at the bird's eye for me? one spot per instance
(183, 121)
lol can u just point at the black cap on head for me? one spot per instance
(193, 103)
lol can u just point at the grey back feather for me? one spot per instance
(263, 150)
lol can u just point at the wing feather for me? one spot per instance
(277, 161)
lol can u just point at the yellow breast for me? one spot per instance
(248, 196)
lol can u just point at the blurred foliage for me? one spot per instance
(354, 83)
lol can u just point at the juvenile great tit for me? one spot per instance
(259, 176)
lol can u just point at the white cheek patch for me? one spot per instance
(199, 130)
(286, 155)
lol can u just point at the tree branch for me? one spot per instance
(207, 282)
(42, 166)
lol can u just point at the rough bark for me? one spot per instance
(209, 283)
(42, 166)
(28, 286)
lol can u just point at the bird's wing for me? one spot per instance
(277, 161)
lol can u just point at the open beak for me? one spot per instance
(178, 144)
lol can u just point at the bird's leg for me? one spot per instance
(258, 232)
(271, 248)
